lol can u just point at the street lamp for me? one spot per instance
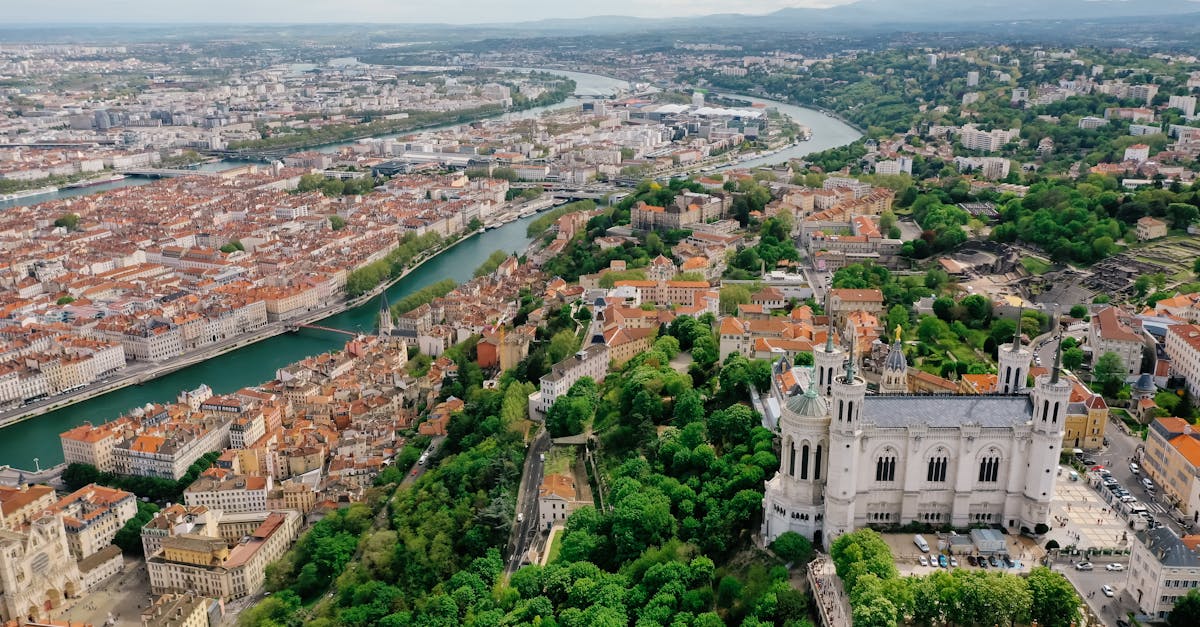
(37, 466)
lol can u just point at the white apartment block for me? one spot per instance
(987, 141)
(92, 516)
(1183, 347)
(236, 494)
(1186, 104)
(1162, 569)
(592, 362)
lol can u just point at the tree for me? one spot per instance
(897, 316)
(562, 344)
(1141, 285)
(1054, 602)
(793, 547)
(732, 296)
(336, 222)
(1079, 311)
(68, 221)
(1109, 372)
(1073, 358)
(65, 300)
(1186, 611)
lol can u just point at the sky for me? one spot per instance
(395, 11)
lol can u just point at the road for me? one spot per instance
(1088, 584)
(525, 525)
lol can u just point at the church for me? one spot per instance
(851, 460)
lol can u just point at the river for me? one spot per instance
(38, 437)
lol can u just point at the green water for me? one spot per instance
(38, 436)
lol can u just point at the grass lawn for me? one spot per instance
(1035, 265)
(555, 546)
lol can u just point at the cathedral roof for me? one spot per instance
(808, 404)
(941, 411)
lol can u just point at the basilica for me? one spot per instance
(851, 460)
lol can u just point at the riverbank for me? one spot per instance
(141, 372)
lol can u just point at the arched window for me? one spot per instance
(792, 461)
(804, 462)
(1054, 419)
(850, 412)
(989, 468)
(817, 464)
(885, 466)
(1007, 375)
(1045, 410)
(936, 470)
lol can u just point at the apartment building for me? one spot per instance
(90, 445)
(1183, 347)
(208, 566)
(1115, 331)
(92, 516)
(233, 494)
(988, 141)
(844, 301)
(1172, 461)
(169, 454)
(177, 520)
(22, 504)
(592, 362)
(1162, 569)
(182, 610)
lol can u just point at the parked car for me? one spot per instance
(1083, 566)
(1129, 499)
(953, 562)
(1008, 562)
(1147, 483)
(942, 561)
(1115, 567)
(1133, 467)
(922, 560)
(1108, 590)
(993, 561)
(982, 562)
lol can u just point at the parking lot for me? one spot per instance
(1023, 553)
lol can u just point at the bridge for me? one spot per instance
(296, 327)
(165, 173)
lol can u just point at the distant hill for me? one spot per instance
(877, 13)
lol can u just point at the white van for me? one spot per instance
(1133, 467)
(921, 543)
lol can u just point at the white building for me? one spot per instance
(234, 495)
(1162, 569)
(1183, 347)
(1186, 104)
(592, 362)
(988, 141)
(851, 460)
(1137, 152)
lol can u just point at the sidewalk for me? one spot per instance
(832, 603)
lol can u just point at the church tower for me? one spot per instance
(1014, 364)
(792, 499)
(385, 315)
(895, 369)
(828, 360)
(1050, 396)
(848, 393)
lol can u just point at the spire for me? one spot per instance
(1057, 362)
(1016, 345)
(383, 302)
(850, 362)
(829, 318)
